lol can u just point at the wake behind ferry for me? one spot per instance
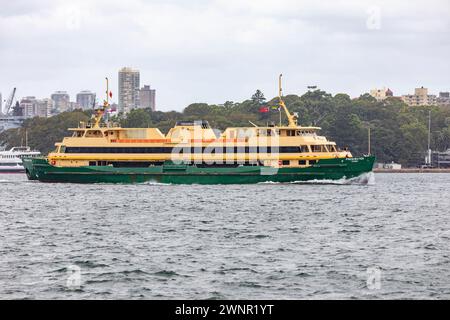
(192, 153)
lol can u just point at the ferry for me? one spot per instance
(11, 160)
(193, 153)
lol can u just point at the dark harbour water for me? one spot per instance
(388, 239)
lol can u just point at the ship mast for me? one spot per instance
(101, 111)
(292, 119)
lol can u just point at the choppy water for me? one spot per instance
(274, 241)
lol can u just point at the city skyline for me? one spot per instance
(349, 47)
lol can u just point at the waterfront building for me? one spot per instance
(420, 98)
(1, 104)
(381, 94)
(61, 101)
(86, 99)
(128, 89)
(441, 159)
(147, 97)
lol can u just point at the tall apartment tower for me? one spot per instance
(61, 101)
(128, 89)
(86, 99)
(147, 97)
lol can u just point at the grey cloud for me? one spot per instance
(223, 50)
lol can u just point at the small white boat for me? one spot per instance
(11, 160)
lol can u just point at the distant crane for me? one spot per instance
(9, 102)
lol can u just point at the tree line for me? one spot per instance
(398, 132)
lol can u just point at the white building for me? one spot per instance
(32, 107)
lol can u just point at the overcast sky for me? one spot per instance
(219, 50)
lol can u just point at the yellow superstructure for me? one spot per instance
(100, 144)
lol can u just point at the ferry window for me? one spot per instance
(312, 161)
(62, 149)
(286, 162)
(94, 134)
(289, 149)
(331, 148)
(304, 149)
(290, 133)
(318, 148)
(302, 162)
(92, 163)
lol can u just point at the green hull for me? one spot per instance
(326, 169)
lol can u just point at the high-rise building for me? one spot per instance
(147, 97)
(32, 107)
(86, 99)
(128, 89)
(1, 104)
(381, 94)
(28, 106)
(43, 107)
(61, 101)
(420, 98)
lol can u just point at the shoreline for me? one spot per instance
(413, 170)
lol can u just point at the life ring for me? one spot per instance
(53, 162)
(280, 162)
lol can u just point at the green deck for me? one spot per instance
(326, 169)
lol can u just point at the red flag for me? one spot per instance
(263, 109)
(110, 94)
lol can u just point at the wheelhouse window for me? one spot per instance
(93, 134)
(266, 132)
(318, 148)
(290, 133)
(78, 134)
(62, 149)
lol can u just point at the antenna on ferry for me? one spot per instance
(101, 111)
(280, 90)
(292, 119)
